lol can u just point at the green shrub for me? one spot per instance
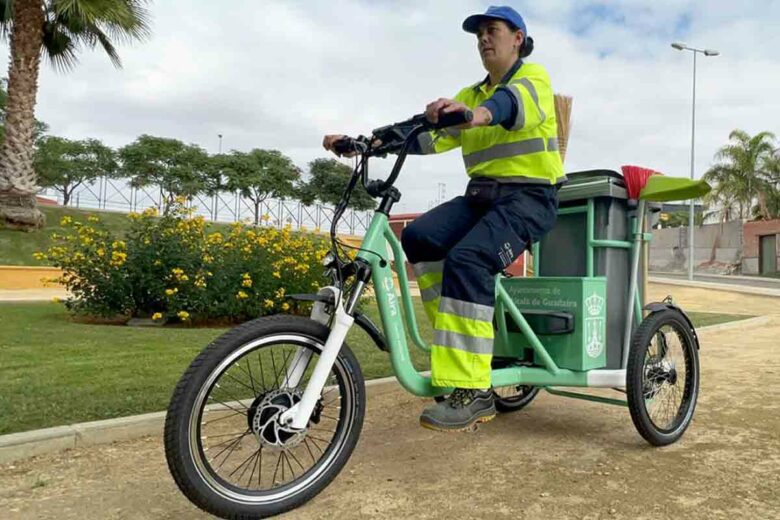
(175, 268)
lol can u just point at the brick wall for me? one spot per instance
(753, 231)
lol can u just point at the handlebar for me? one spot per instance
(394, 134)
(445, 120)
(397, 137)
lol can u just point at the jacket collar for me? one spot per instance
(511, 72)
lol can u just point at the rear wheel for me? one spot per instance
(225, 447)
(662, 379)
(514, 398)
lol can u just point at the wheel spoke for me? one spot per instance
(228, 406)
(254, 467)
(223, 417)
(239, 435)
(306, 443)
(283, 372)
(262, 375)
(232, 447)
(251, 376)
(242, 465)
(273, 480)
(273, 363)
(254, 393)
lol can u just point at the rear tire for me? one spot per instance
(514, 398)
(189, 462)
(662, 377)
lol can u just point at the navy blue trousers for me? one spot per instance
(477, 241)
(456, 250)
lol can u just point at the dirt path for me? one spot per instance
(557, 459)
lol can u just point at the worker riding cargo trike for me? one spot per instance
(268, 414)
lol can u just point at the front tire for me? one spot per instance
(662, 377)
(228, 400)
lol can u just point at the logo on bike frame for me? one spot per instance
(594, 325)
(392, 299)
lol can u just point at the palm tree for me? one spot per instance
(741, 176)
(57, 29)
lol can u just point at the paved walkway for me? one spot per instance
(557, 459)
(745, 281)
(18, 295)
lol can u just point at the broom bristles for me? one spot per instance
(563, 115)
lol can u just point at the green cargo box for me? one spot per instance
(568, 314)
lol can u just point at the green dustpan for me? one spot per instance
(660, 188)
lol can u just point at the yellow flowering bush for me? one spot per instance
(176, 267)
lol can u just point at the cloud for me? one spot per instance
(276, 74)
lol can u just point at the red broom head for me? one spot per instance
(636, 178)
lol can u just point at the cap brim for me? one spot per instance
(471, 24)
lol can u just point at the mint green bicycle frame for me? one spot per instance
(374, 247)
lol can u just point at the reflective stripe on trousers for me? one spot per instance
(456, 250)
(462, 333)
(429, 275)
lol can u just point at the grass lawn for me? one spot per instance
(17, 248)
(54, 371)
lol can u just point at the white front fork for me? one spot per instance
(298, 416)
(302, 356)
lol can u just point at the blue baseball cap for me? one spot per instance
(495, 12)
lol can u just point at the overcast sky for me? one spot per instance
(280, 74)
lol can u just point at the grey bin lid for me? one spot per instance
(593, 183)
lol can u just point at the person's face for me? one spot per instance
(497, 43)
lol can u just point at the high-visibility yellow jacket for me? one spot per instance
(526, 152)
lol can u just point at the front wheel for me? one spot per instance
(662, 377)
(224, 446)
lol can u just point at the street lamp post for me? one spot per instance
(706, 52)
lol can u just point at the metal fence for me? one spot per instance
(118, 195)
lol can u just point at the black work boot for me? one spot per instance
(462, 410)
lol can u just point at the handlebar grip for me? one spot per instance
(344, 145)
(454, 119)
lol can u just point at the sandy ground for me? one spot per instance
(558, 458)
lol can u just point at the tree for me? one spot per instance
(741, 176)
(40, 127)
(178, 169)
(328, 179)
(679, 219)
(65, 165)
(257, 175)
(57, 29)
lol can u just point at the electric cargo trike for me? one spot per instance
(268, 413)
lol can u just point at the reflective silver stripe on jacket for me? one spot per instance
(450, 132)
(513, 87)
(503, 150)
(500, 151)
(473, 311)
(425, 140)
(471, 344)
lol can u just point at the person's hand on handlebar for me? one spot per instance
(482, 115)
(329, 143)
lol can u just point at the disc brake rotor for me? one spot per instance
(265, 421)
